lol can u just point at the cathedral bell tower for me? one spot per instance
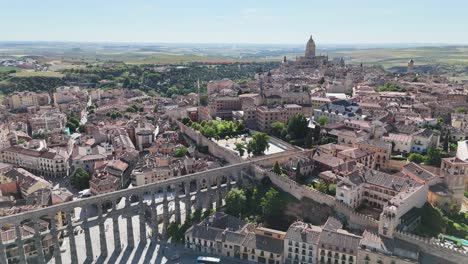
(310, 48)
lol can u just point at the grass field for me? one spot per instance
(34, 74)
(451, 61)
(8, 68)
(401, 56)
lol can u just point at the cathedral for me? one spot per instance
(310, 60)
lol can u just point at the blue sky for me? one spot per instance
(236, 21)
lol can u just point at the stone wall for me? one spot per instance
(215, 150)
(356, 220)
(431, 246)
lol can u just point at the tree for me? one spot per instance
(204, 100)
(172, 91)
(434, 156)
(172, 229)
(180, 152)
(80, 179)
(460, 109)
(321, 81)
(271, 203)
(277, 168)
(416, 158)
(322, 120)
(390, 87)
(240, 147)
(240, 126)
(309, 139)
(321, 186)
(258, 144)
(277, 128)
(208, 132)
(155, 108)
(297, 126)
(453, 146)
(453, 208)
(331, 189)
(126, 83)
(152, 93)
(249, 149)
(186, 121)
(445, 145)
(73, 124)
(235, 202)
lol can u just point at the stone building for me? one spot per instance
(301, 243)
(38, 159)
(103, 182)
(310, 59)
(373, 188)
(153, 169)
(267, 115)
(335, 245)
(410, 68)
(229, 236)
(28, 183)
(376, 249)
(47, 122)
(23, 100)
(338, 111)
(455, 172)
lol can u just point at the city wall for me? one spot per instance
(216, 150)
(356, 220)
(433, 247)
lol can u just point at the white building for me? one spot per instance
(38, 159)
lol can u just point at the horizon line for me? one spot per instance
(237, 43)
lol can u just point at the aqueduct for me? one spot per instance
(201, 190)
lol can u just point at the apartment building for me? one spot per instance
(38, 160)
(301, 243)
(229, 236)
(47, 122)
(267, 115)
(371, 187)
(23, 100)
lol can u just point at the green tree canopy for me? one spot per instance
(278, 128)
(240, 147)
(416, 158)
(435, 155)
(235, 202)
(271, 203)
(297, 126)
(180, 152)
(80, 179)
(258, 144)
(460, 109)
(277, 168)
(322, 120)
(204, 99)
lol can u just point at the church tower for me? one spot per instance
(410, 66)
(310, 48)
